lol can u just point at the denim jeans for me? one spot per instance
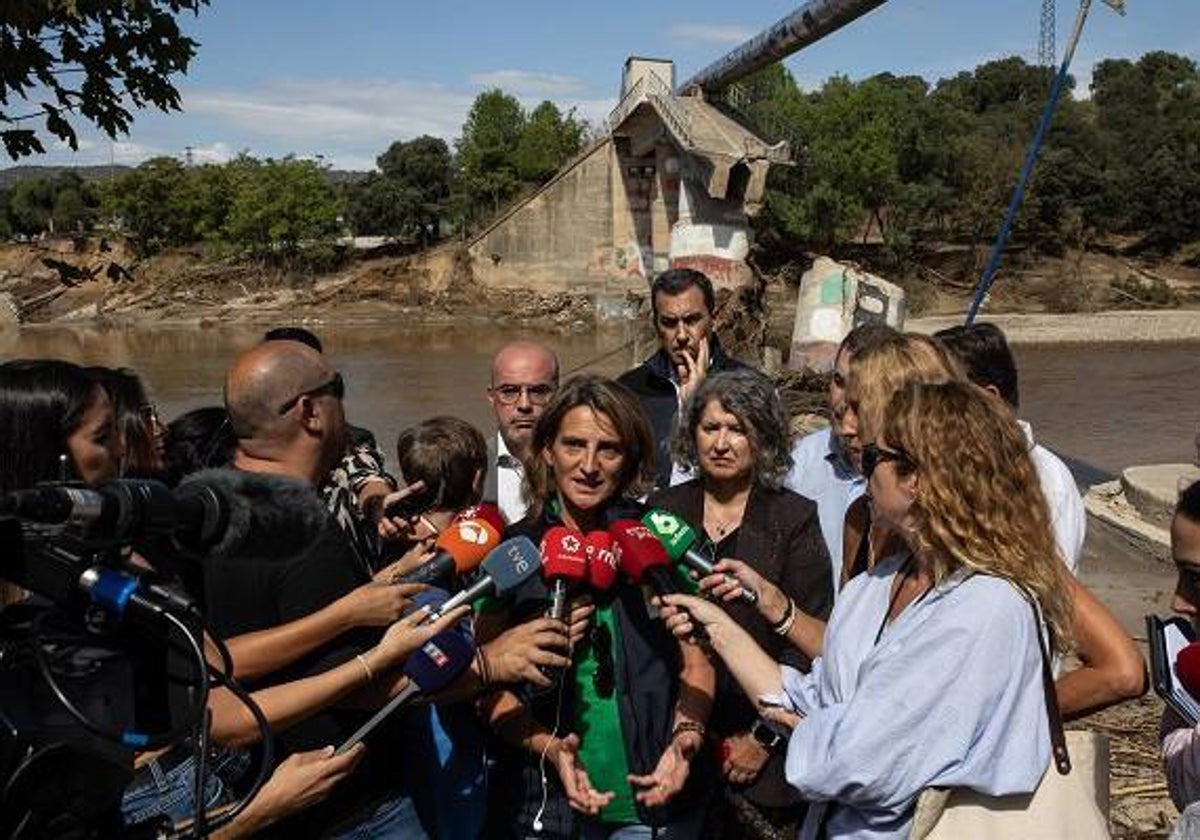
(157, 793)
(395, 819)
(636, 831)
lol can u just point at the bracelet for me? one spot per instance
(485, 668)
(689, 726)
(789, 618)
(362, 660)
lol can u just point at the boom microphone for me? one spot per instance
(506, 567)
(678, 538)
(563, 564)
(461, 548)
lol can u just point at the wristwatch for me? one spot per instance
(767, 735)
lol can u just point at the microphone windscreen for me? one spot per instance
(638, 550)
(488, 512)
(512, 563)
(676, 535)
(468, 542)
(601, 560)
(563, 556)
(268, 515)
(1187, 668)
(441, 660)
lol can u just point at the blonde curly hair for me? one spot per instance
(980, 504)
(882, 369)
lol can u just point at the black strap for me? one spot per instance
(1058, 738)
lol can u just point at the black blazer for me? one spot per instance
(780, 538)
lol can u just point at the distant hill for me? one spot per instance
(13, 174)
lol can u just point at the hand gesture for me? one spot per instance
(408, 634)
(693, 371)
(392, 528)
(515, 655)
(583, 797)
(670, 774)
(378, 604)
(304, 779)
(419, 554)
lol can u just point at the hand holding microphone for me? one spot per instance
(679, 539)
(461, 548)
(643, 558)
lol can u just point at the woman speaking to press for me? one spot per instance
(931, 673)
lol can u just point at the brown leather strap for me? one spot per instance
(1058, 739)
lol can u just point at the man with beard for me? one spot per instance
(682, 304)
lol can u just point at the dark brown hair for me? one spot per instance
(446, 454)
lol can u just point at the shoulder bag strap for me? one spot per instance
(1058, 739)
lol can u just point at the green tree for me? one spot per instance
(383, 206)
(486, 151)
(144, 203)
(31, 206)
(94, 58)
(548, 141)
(422, 173)
(282, 206)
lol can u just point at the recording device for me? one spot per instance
(564, 564)
(644, 560)
(506, 567)
(1187, 668)
(1175, 665)
(678, 538)
(414, 504)
(461, 548)
(602, 564)
(431, 668)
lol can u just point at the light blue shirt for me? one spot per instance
(821, 472)
(951, 696)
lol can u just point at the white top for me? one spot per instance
(1067, 515)
(951, 695)
(509, 474)
(821, 472)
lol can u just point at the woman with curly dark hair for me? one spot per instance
(735, 433)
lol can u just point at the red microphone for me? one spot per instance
(601, 560)
(563, 563)
(486, 511)
(641, 556)
(1187, 669)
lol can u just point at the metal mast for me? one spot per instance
(1047, 55)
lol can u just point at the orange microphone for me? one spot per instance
(460, 549)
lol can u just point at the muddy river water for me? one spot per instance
(1105, 407)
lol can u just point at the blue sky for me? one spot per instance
(344, 80)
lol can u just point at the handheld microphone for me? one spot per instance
(1187, 669)
(563, 564)
(678, 538)
(601, 560)
(643, 559)
(461, 548)
(506, 567)
(431, 668)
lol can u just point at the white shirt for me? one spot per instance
(950, 696)
(1068, 517)
(820, 472)
(509, 474)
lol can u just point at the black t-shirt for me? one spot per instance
(249, 593)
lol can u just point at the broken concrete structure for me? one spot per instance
(671, 184)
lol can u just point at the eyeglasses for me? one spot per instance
(511, 394)
(604, 678)
(335, 387)
(873, 455)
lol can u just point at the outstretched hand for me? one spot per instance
(581, 794)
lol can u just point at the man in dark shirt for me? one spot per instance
(682, 303)
(285, 407)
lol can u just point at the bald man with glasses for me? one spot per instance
(524, 378)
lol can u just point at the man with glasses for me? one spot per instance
(524, 377)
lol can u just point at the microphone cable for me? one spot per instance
(538, 825)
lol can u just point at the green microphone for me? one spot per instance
(678, 538)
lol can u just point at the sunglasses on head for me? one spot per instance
(335, 387)
(873, 455)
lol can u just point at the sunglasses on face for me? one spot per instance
(335, 387)
(873, 455)
(511, 394)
